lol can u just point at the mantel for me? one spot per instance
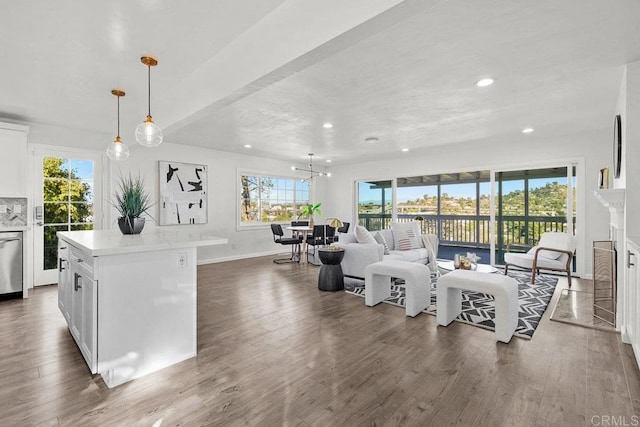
(614, 200)
(611, 198)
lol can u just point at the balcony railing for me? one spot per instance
(473, 230)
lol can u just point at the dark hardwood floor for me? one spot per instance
(273, 350)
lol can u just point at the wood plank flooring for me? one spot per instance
(273, 350)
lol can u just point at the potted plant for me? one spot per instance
(309, 210)
(131, 201)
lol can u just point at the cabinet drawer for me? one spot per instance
(82, 259)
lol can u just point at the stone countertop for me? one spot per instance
(113, 242)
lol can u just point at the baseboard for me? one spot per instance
(238, 257)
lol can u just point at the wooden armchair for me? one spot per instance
(554, 252)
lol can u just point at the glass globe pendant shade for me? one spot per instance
(148, 134)
(117, 151)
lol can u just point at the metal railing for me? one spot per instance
(473, 230)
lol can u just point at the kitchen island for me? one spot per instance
(130, 300)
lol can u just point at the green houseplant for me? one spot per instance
(309, 210)
(131, 201)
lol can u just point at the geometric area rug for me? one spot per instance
(478, 309)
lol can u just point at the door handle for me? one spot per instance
(61, 261)
(76, 279)
(629, 255)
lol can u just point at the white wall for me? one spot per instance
(631, 147)
(593, 149)
(222, 196)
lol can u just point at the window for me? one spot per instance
(374, 204)
(267, 199)
(68, 201)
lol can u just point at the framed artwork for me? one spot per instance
(183, 193)
(617, 146)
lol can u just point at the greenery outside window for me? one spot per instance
(267, 199)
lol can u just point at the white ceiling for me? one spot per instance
(270, 72)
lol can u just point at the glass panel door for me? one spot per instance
(374, 204)
(66, 196)
(529, 203)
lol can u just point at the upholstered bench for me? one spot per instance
(377, 284)
(503, 288)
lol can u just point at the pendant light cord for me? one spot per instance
(118, 116)
(149, 87)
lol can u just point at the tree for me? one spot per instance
(67, 200)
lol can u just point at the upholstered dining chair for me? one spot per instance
(554, 252)
(278, 237)
(322, 236)
(342, 229)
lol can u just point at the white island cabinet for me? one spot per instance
(130, 300)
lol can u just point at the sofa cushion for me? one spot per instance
(406, 235)
(413, 255)
(380, 239)
(363, 235)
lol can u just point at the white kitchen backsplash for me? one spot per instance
(13, 211)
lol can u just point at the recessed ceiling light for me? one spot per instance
(404, 150)
(527, 130)
(327, 125)
(484, 82)
(247, 145)
(371, 140)
(328, 160)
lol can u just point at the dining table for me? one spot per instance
(301, 230)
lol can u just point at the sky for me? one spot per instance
(455, 190)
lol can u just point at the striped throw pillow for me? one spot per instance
(406, 235)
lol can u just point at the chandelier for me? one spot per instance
(312, 173)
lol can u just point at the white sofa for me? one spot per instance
(357, 256)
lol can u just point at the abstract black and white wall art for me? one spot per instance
(183, 193)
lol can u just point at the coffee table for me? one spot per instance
(482, 268)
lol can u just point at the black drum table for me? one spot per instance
(331, 277)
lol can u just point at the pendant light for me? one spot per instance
(148, 134)
(117, 150)
(312, 172)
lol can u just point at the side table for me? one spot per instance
(331, 277)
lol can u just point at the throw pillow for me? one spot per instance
(363, 235)
(406, 235)
(380, 239)
(545, 254)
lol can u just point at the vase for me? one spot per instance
(130, 225)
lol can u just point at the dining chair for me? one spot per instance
(278, 237)
(319, 238)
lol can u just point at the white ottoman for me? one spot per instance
(377, 284)
(503, 288)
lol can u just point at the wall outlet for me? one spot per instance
(182, 260)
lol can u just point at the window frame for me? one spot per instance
(243, 226)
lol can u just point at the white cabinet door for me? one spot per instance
(632, 304)
(75, 313)
(88, 331)
(64, 281)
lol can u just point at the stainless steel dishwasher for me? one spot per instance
(10, 262)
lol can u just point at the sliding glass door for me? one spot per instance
(374, 204)
(457, 207)
(531, 202)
